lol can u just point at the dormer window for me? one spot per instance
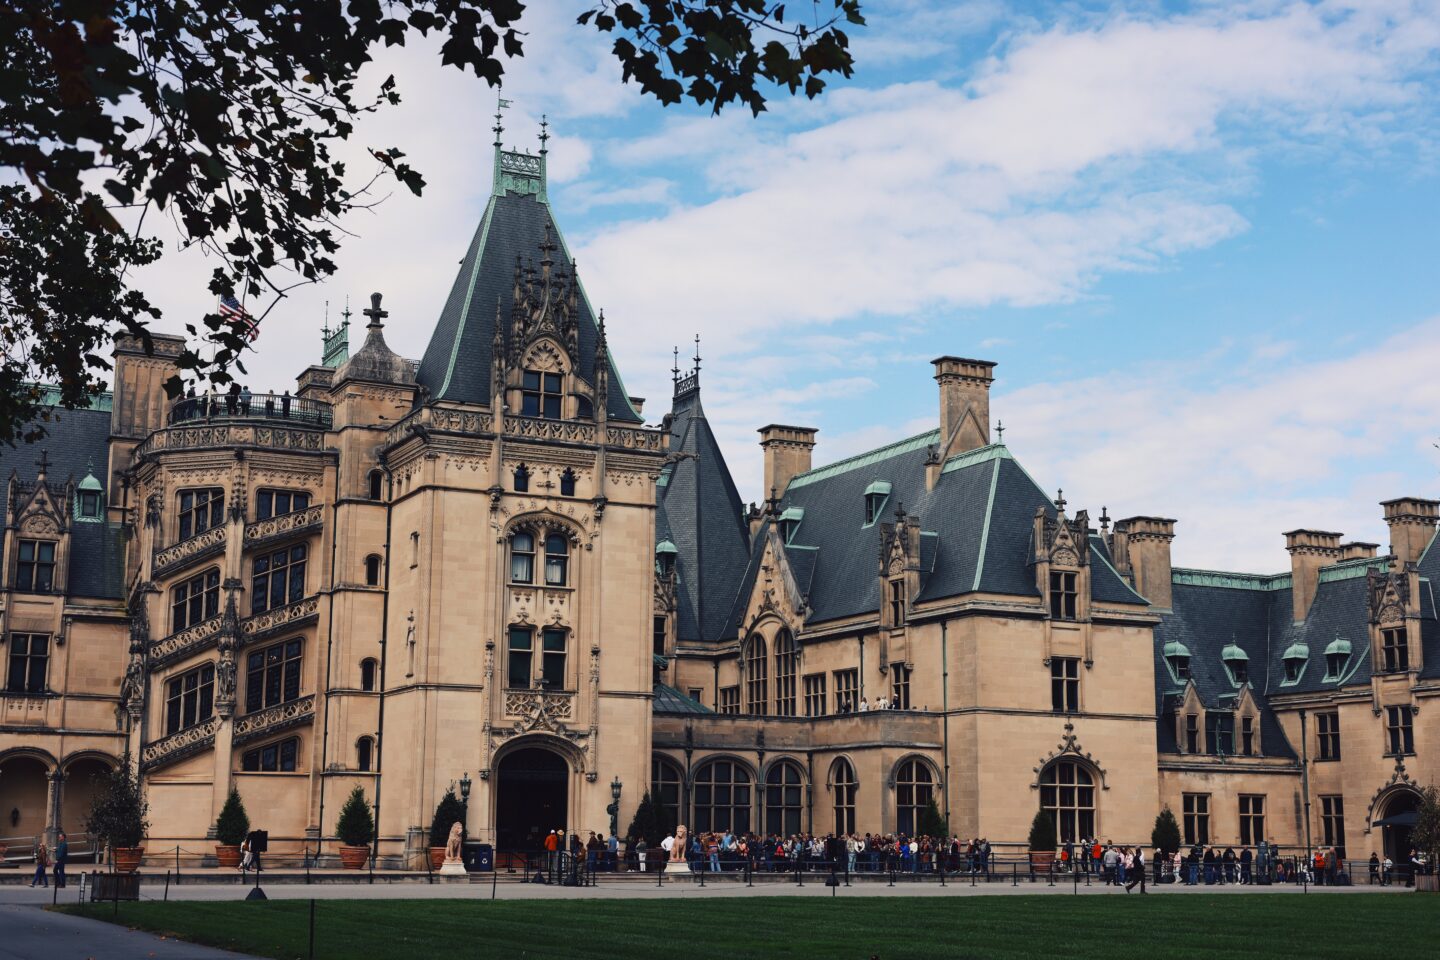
(1177, 658)
(522, 479)
(665, 553)
(1220, 733)
(89, 498)
(790, 522)
(35, 569)
(1337, 658)
(1394, 650)
(1064, 596)
(89, 504)
(540, 395)
(1237, 662)
(1192, 733)
(897, 603)
(875, 496)
(567, 483)
(1295, 657)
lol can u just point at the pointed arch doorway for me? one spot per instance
(531, 798)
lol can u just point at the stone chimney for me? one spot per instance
(1412, 525)
(1358, 550)
(787, 453)
(1309, 551)
(1144, 553)
(964, 403)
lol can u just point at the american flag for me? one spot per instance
(231, 309)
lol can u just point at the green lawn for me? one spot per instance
(1172, 927)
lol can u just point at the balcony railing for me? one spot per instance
(181, 555)
(183, 643)
(301, 521)
(283, 716)
(259, 406)
(288, 617)
(180, 745)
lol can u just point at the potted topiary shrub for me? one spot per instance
(1165, 838)
(1425, 835)
(230, 829)
(118, 817)
(1042, 843)
(449, 812)
(355, 829)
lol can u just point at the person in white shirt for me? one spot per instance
(864, 705)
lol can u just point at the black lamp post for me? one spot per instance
(465, 797)
(614, 808)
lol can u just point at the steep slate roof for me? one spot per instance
(701, 513)
(669, 700)
(77, 443)
(457, 363)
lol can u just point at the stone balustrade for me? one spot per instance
(228, 435)
(177, 557)
(271, 720)
(178, 746)
(183, 643)
(301, 521)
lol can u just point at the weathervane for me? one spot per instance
(1000, 430)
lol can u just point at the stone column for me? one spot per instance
(225, 694)
(55, 796)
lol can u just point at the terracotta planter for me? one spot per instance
(1041, 860)
(437, 857)
(227, 856)
(353, 858)
(127, 859)
(1427, 883)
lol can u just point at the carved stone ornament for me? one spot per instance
(1389, 595)
(1069, 746)
(1400, 779)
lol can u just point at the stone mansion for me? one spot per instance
(486, 564)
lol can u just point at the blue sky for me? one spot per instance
(1199, 240)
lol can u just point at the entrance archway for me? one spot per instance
(24, 797)
(83, 779)
(531, 798)
(1397, 821)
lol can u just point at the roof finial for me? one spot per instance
(43, 463)
(675, 369)
(1000, 431)
(1060, 500)
(345, 314)
(499, 128)
(697, 353)
(1104, 520)
(325, 324)
(375, 313)
(544, 132)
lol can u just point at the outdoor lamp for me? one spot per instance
(615, 789)
(465, 787)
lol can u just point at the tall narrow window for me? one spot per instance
(899, 686)
(1197, 818)
(279, 578)
(1252, 819)
(784, 799)
(277, 503)
(376, 485)
(1332, 821)
(521, 658)
(522, 479)
(272, 675)
(190, 698)
(847, 685)
(552, 664)
(844, 784)
(1394, 650)
(787, 662)
(29, 662)
(278, 757)
(897, 603)
(540, 395)
(659, 633)
(195, 600)
(35, 566)
(756, 677)
(815, 695)
(199, 511)
(1247, 736)
(372, 570)
(1067, 792)
(666, 783)
(730, 700)
(567, 483)
(1065, 684)
(363, 748)
(1192, 733)
(1062, 595)
(367, 674)
(1398, 731)
(1327, 729)
(914, 789)
(522, 558)
(557, 560)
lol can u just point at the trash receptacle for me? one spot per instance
(479, 856)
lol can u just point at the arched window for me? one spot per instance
(522, 558)
(666, 791)
(367, 674)
(787, 661)
(372, 570)
(567, 483)
(722, 798)
(364, 748)
(377, 485)
(1067, 793)
(557, 560)
(914, 789)
(783, 799)
(756, 676)
(842, 776)
(522, 479)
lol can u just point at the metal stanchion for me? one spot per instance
(312, 923)
(167, 886)
(1014, 874)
